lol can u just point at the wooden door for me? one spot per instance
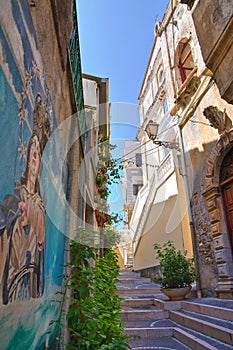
(227, 191)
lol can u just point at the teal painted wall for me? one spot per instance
(32, 246)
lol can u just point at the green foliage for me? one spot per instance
(111, 237)
(93, 317)
(177, 270)
(108, 171)
(92, 238)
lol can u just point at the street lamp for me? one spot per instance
(152, 131)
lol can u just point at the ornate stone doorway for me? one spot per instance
(218, 192)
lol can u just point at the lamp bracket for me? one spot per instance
(167, 144)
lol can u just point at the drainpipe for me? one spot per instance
(191, 223)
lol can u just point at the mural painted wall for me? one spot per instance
(32, 244)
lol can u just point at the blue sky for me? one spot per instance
(116, 38)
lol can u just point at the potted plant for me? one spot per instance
(177, 271)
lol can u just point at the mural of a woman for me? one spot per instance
(22, 223)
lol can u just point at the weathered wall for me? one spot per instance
(213, 20)
(35, 98)
(201, 139)
(53, 32)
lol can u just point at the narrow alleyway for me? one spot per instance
(157, 323)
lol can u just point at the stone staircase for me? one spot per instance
(154, 322)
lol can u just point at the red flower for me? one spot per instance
(75, 304)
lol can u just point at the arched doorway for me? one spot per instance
(226, 183)
(218, 193)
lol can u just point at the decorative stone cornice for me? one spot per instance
(211, 193)
(186, 91)
(140, 134)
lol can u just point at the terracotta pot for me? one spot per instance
(176, 293)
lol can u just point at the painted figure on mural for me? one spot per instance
(22, 222)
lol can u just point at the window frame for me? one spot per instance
(181, 63)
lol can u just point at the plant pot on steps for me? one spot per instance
(176, 293)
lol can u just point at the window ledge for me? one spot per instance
(187, 81)
(186, 92)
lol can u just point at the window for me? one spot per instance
(136, 189)
(138, 159)
(187, 2)
(160, 75)
(165, 107)
(185, 63)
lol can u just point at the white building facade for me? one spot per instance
(182, 198)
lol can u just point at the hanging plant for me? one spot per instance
(108, 173)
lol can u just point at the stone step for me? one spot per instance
(136, 289)
(129, 264)
(129, 274)
(157, 343)
(157, 322)
(149, 332)
(139, 295)
(142, 314)
(133, 280)
(217, 311)
(221, 330)
(175, 339)
(186, 336)
(130, 260)
(197, 340)
(189, 337)
(191, 340)
(196, 335)
(137, 303)
(122, 271)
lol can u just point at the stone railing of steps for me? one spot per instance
(198, 324)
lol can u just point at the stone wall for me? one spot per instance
(214, 25)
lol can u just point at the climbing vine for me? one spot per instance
(93, 318)
(93, 314)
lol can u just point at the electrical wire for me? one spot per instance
(150, 151)
(165, 130)
(122, 158)
(141, 145)
(197, 122)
